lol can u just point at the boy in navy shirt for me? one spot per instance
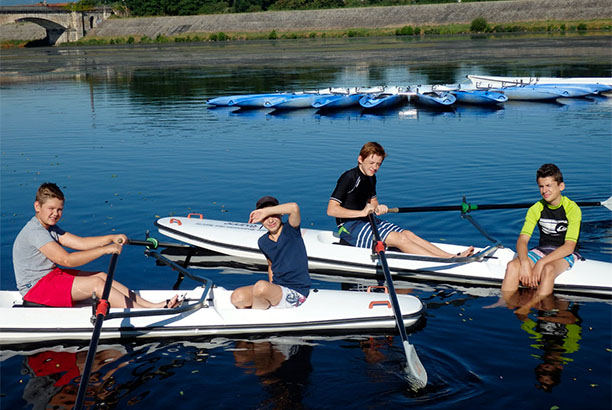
(289, 281)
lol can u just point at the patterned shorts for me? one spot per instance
(290, 299)
(536, 254)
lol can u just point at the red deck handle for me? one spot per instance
(380, 303)
(195, 214)
(378, 287)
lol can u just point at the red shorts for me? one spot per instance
(53, 289)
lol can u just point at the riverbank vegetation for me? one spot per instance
(478, 26)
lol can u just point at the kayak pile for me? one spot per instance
(487, 91)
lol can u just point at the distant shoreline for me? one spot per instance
(338, 22)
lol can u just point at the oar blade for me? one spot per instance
(608, 203)
(416, 375)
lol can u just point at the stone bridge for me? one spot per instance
(61, 24)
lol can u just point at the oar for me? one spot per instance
(101, 311)
(466, 207)
(417, 376)
(154, 243)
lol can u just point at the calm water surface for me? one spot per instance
(125, 132)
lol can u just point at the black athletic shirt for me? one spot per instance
(353, 191)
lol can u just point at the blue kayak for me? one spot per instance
(257, 101)
(292, 102)
(435, 99)
(380, 101)
(336, 101)
(224, 101)
(479, 97)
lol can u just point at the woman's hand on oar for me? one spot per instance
(466, 207)
(417, 375)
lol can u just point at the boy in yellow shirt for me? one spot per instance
(558, 219)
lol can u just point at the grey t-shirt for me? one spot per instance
(29, 263)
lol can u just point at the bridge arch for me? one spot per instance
(62, 25)
(53, 29)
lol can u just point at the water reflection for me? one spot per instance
(55, 377)
(283, 370)
(554, 326)
(120, 373)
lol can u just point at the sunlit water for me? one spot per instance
(130, 144)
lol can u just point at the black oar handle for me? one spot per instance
(154, 243)
(101, 312)
(465, 207)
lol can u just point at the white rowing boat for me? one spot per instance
(327, 256)
(489, 81)
(205, 311)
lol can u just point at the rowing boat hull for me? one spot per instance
(325, 311)
(326, 256)
(531, 93)
(497, 81)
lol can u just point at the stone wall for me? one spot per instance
(372, 17)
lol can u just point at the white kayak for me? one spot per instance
(328, 257)
(206, 311)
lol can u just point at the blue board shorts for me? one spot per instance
(359, 233)
(536, 254)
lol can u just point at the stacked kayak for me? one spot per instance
(327, 257)
(386, 99)
(483, 90)
(435, 99)
(479, 97)
(337, 101)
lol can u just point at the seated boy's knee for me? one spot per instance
(260, 287)
(236, 298)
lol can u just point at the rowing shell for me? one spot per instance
(206, 311)
(497, 81)
(326, 256)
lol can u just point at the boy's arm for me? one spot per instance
(290, 208)
(522, 248)
(270, 273)
(60, 256)
(336, 210)
(78, 243)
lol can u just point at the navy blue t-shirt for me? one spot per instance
(289, 259)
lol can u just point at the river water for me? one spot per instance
(127, 135)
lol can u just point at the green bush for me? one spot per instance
(582, 27)
(479, 25)
(404, 31)
(221, 36)
(272, 35)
